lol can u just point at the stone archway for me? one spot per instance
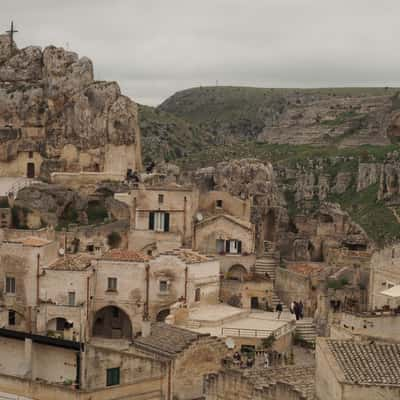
(113, 323)
(162, 315)
(237, 272)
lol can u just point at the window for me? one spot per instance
(218, 204)
(233, 246)
(197, 294)
(11, 317)
(71, 298)
(220, 244)
(113, 376)
(163, 286)
(10, 284)
(60, 324)
(159, 221)
(160, 198)
(31, 154)
(112, 284)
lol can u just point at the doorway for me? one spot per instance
(30, 170)
(254, 303)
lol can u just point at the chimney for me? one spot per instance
(146, 328)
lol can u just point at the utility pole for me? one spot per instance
(11, 35)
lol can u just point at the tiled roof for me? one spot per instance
(72, 263)
(168, 339)
(305, 269)
(125, 255)
(246, 224)
(300, 378)
(361, 363)
(34, 241)
(188, 256)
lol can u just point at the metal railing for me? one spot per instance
(258, 333)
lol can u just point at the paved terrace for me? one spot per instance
(223, 320)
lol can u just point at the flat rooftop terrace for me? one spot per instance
(223, 320)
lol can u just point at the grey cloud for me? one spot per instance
(155, 47)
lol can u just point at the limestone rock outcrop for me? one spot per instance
(44, 205)
(50, 98)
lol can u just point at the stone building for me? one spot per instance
(161, 217)
(347, 370)
(191, 357)
(385, 274)
(40, 367)
(130, 286)
(22, 264)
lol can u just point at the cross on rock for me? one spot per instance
(11, 34)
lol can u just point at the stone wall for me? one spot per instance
(291, 286)
(385, 271)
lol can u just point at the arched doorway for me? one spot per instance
(162, 315)
(269, 226)
(112, 322)
(237, 272)
(58, 326)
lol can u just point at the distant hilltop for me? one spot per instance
(344, 117)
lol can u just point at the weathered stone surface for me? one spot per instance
(368, 174)
(52, 96)
(50, 203)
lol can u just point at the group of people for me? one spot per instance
(240, 362)
(297, 308)
(265, 359)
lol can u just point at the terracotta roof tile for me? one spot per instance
(168, 339)
(126, 255)
(188, 256)
(305, 269)
(365, 363)
(78, 262)
(34, 241)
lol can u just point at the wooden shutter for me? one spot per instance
(239, 246)
(151, 221)
(227, 246)
(166, 222)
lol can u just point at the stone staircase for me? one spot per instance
(266, 266)
(306, 329)
(276, 300)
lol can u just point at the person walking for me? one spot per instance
(279, 309)
(292, 307)
(296, 309)
(301, 310)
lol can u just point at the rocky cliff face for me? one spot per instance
(346, 117)
(51, 102)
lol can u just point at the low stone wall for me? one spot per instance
(12, 235)
(75, 180)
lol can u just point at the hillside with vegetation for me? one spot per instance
(337, 145)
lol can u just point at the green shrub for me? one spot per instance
(114, 240)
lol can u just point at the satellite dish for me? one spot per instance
(230, 343)
(199, 217)
(61, 251)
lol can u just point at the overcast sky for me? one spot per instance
(154, 48)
